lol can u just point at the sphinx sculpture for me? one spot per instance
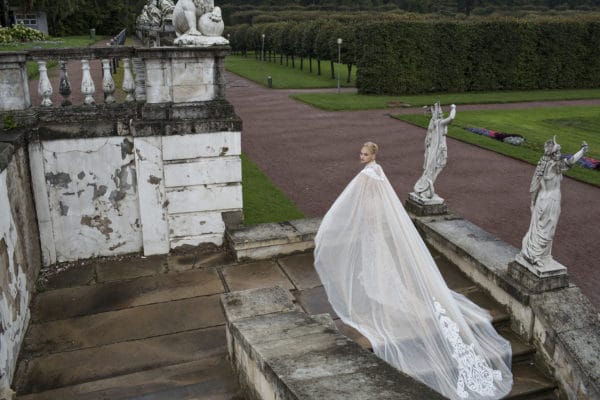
(436, 155)
(545, 206)
(198, 23)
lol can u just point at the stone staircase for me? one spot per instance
(143, 328)
(152, 328)
(529, 382)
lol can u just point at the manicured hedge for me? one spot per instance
(399, 57)
(409, 54)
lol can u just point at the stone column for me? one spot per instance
(14, 85)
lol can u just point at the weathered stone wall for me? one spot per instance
(103, 196)
(19, 253)
(86, 193)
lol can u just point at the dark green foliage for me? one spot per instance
(77, 17)
(410, 53)
(418, 56)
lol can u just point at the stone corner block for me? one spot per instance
(423, 210)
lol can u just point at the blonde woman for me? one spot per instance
(381, 279)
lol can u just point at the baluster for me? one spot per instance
(44, 85)
(128, 82)
(108, 84)
(87, 84)
(64, 86)
(140, 79)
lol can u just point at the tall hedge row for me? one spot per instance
(399, 57)
(402, 54)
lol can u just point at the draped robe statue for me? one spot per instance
(436, 155)
(545, 204)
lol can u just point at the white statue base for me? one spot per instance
(423, 206)
(553, 275)
(200, 41)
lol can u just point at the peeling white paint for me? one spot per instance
(204, 198)
(208, 171)
(117, 195)
(14, 296)
(215, 144)
(91, 187)
(196, 224)
(151, 189)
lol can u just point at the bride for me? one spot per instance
(381, 279)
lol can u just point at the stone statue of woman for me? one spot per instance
(545, 204)
(436, 155)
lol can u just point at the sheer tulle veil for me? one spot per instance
(381, 279)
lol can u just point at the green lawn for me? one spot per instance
(286, 77)
(571, 125)
(263, 201)
(353, 101)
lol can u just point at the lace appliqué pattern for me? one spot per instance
(473, 372)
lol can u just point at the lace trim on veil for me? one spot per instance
(473, 372)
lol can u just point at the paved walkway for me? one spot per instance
(312, 154)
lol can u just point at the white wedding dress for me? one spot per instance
(381, 279)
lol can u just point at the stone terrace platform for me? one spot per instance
(153, 328)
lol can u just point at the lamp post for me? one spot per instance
(339, 42)
(262, 51)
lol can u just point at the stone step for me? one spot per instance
(208, 378)
(530, 384)
(123, 325)
(521, 350)
(75, 367)
(86, 300)
(264, 241)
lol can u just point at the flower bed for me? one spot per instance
(586, 162)
(516, 139)
(511, 138)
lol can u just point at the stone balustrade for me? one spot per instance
(17, 85)
(173, 75)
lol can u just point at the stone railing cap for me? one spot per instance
(254, 302)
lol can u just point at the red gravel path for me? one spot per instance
(312, 154)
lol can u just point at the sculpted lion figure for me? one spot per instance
(196, 18)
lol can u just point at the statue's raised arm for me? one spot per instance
(577, 156)
(451, 117)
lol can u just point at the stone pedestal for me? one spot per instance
(420, 207)
(551, 276)
(14, 84)
(184, 74)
